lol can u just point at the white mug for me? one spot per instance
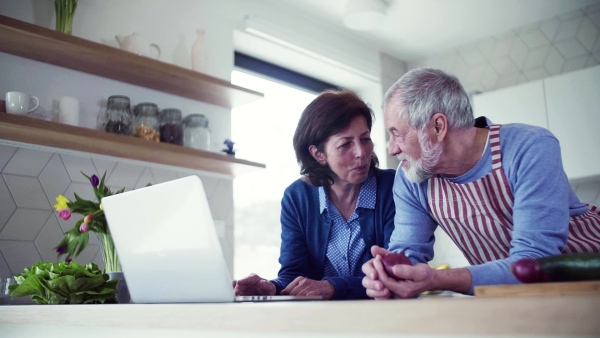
(69, 110)
(20, 103)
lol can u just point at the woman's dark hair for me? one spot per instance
(329, 113)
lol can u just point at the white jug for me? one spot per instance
(138, 44)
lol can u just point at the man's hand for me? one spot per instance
(253, 285)
(414, 279)
(302, 286)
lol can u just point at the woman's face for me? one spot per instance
(348, 153)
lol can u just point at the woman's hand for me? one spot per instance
(302, 286)
(253, 285)
(375, 288)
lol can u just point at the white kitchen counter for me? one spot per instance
(427, 316)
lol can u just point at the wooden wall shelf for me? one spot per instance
(51, 134)
(42, 44)
(38, 43)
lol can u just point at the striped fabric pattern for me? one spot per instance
(477, 216)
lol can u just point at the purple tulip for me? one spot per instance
(61, 248)
(94, 180)
(65, 214)
(84, 227)
(68, 260)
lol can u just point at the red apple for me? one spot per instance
(392, 259)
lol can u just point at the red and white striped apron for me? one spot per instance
(478, 215)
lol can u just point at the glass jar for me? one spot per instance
(118, 117)
(195, 132)
(171, 128)
(146, 123)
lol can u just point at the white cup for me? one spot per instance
(69, 110)
(20, 103)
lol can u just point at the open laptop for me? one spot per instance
(168, 245)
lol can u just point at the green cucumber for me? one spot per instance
(558, 268)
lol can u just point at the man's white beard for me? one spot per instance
(422, 169)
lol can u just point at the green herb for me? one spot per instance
(65, 283)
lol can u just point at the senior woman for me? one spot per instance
(340, 207)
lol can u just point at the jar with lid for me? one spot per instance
(195, 132)
(171, 127)
(146, 121)
(118, 117)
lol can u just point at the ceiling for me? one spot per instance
(418, 28)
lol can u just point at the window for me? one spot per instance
(263, 132)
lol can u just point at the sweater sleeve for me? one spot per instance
(294, 255)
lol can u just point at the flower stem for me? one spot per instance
(109, 253)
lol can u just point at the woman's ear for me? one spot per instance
(317, 155)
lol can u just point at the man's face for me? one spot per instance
(417, 153)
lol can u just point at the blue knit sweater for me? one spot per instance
(305, 234)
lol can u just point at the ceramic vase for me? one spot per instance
(122, 290)
(197, 50)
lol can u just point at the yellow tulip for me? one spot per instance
(61, 203)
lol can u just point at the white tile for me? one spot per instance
(550, 27)
(504, 65)
(7, 204)
(460, 69)
(209, 183)
(489, 78)
(6, 152)
(536, 57)
(518, 53)
(27, 192)
(535, 73)
(27, 162)
(125, 175)
(588, 192)
(592, 61)
(471, 55)
(221, 200)
(534, 37)
(25, 224)
(4, 269)
(594, 15)
(486, 47)
(54, 178)
(554, 62)
(104, 166)
(145, 178)
(507, 80)
(571, 48)
(76, 165)
(48, 238)
(19, 255)
(503, 45)
(567, 29)
(575, 63)
(474, 74)
(162, 175)
(588, 33)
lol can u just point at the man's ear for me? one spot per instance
(439, 126)
(317, 155)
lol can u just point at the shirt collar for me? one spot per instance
(368, 189)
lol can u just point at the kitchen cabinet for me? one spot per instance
(41, 44)
(566, 104)
(573, 107)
